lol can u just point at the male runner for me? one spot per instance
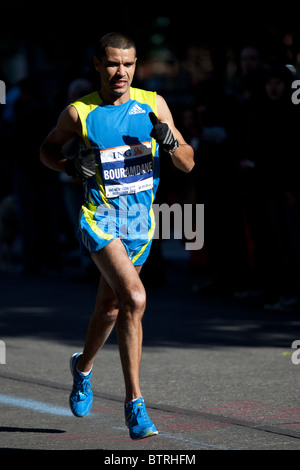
(121, 128)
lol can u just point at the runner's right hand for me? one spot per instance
(82, 163)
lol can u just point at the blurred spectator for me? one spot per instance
(269, 165)
(249, 82)
(36, 189)
(215, 172)
(162, 72)
(78, 88)
(191, 128)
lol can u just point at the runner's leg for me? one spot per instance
(100, 326)
(123, 281)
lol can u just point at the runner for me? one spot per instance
(120, 129)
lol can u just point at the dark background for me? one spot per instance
(51, 44)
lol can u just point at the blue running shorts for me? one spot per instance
(100, 225)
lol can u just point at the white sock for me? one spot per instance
(83, 373)
(135, 399)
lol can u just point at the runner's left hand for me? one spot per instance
(163, 134)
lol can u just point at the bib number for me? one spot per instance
(127, 169)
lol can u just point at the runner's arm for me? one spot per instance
(68, 125)
(183, 157)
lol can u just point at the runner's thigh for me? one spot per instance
(117, 270)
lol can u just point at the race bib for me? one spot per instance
(127, 169)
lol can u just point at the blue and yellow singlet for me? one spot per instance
(118, 199)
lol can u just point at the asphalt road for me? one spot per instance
(216, 374)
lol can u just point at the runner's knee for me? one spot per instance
(134, 301)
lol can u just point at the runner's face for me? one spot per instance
(116, 71)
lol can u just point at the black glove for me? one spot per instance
(163, 134)
(80, 159)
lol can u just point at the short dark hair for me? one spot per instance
(116, 40)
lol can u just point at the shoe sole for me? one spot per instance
(149, 434)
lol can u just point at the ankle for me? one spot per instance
(131, 401)
(84, 369)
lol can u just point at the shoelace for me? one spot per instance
(136, 414)
(82, 385)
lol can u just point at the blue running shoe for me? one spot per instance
(81, 397)
(138, 421)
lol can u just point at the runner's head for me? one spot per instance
(115, 61)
